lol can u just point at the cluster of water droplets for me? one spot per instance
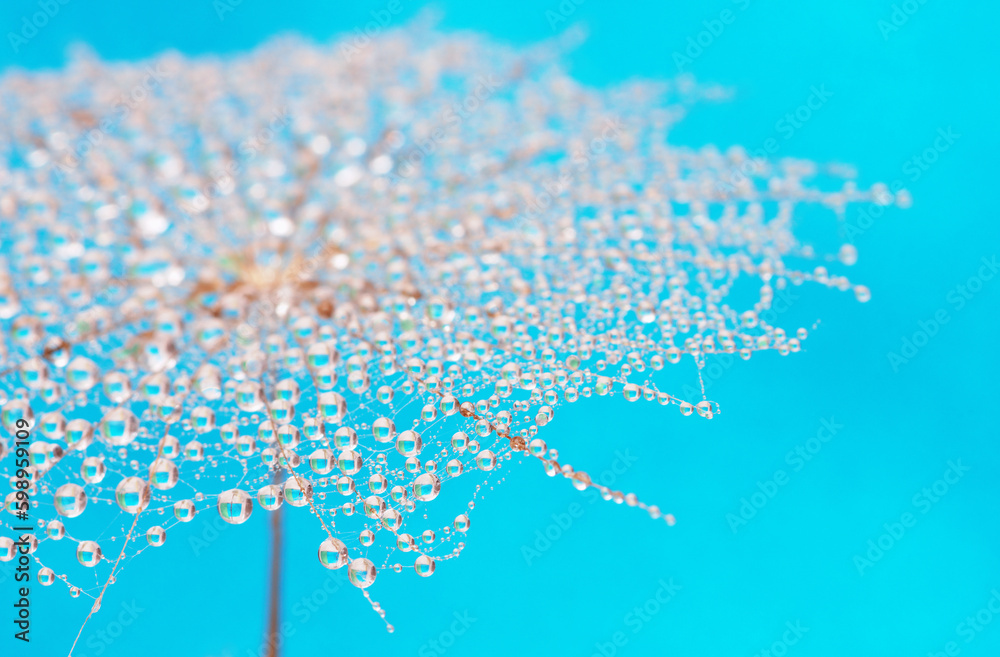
(347, 280)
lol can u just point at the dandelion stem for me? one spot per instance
(274, 599)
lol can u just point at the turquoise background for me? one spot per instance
(794, 561)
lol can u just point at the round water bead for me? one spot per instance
(378, 484)
(288, 437)
(53, 425)
(248, 397)
(119, 427)
(270, 497)
(79, 434)
(391, 519)
(163, 474)
(374, 506)
(345, 485)
(11, 503)
(117, 387)
(169, 447)
(332, 406)
(297, 494)
(405, 542)
(235, 506)
(202, 419)
(361, 572)
(46, 577)
(349, 462)
(88, 553)
(426, 487)
(8, 549)
(229, 432)
(184, 510)
(321, 461)
(409, 443)
(55, 530)
(194, 451)
(462, 523)
(246, 445)
(424, 565)
(82, 373)
(156, 536)
(332, 553)
(345, 438)
(486, 460)
(132, 494)
(383, 430)
(460, 441)
(92, 470)
(32, 542)
(70, 500)
(15, 410)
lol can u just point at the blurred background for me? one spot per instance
(784, 542)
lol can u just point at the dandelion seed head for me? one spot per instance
(381, 278)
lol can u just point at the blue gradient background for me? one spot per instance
(794, 560)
